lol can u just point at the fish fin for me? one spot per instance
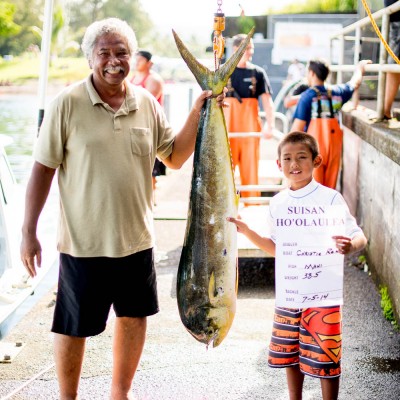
(200, 71)
(227, 69)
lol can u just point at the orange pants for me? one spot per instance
(243, 117)
(330, 140)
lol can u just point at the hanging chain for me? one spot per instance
(218, 39)
(219, 3)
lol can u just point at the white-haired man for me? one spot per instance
(102, 135)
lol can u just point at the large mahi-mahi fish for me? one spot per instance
(207, 274)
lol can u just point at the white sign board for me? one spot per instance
(304, 41)
(308, 266)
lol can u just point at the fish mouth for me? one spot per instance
(205, 327)
(209, 338)
(212, 340)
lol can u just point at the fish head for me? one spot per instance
(208, 324)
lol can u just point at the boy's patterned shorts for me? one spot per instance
(310, 338)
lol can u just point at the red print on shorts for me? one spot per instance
(324, 324)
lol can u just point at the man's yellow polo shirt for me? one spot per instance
(105, 161)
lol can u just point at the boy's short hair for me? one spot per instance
(319, 67)
(300, 137)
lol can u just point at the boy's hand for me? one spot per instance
(240, 225)
(343, 244)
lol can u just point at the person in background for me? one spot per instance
(296, 71)
(247, 85)
(102, 135)
(392, 79)
(317, 73)
(144, 76)
(317, 113)
(295, 345)
(292, 98)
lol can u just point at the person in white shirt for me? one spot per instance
(298, 156)
(296, 71)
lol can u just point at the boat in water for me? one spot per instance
(15, 283)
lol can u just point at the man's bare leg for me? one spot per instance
(330, 388)
(392, 87)
(68, 354)
(129, 338)
(295, 379)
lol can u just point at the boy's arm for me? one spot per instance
(347, 245)
(261, 242)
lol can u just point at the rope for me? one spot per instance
(24, 385)
(378, 32)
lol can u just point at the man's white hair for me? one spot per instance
(109, 25)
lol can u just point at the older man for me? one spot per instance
(102, 135)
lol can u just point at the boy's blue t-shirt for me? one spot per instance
(307, 106)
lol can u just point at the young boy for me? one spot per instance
(292, 344)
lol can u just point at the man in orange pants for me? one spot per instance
(247, 85)
(316, 114)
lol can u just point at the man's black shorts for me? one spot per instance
(87, 287)
(159, 168)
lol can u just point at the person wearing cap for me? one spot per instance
(144, 76)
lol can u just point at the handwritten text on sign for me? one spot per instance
(309, 268)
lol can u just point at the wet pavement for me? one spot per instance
(174, 366)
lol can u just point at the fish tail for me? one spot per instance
(209, 80)
(200, 71)
(227, 69)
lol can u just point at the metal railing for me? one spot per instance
(382, 68)
(265, 188)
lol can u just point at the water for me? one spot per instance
(18, 120)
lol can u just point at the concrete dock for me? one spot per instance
(174, 366)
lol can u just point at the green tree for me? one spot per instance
(7, 25)
(58, 22)
(320, 6)
(83, 12)
(28, 13)
(245, 23)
